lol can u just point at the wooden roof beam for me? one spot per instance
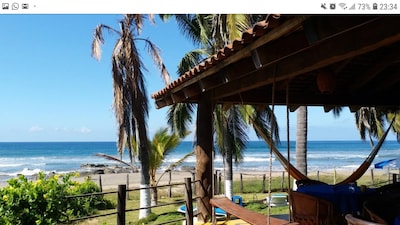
(353, 42)
(282, 30)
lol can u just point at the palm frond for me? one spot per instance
(154, 52)
(180, 117)
(237, 24)
(98, 39)
(190, 60)
(112, 158)
(266, 121)
(189, 27)
(176, 164)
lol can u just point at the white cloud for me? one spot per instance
(85, 130)
(64, 129)
(36, 129)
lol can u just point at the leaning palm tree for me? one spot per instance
(130, 99)
(161, 145)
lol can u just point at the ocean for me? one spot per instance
(29, 158)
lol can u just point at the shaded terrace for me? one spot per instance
(326, 61)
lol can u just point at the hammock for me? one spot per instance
(296, 174)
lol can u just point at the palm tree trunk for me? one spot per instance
(301, 140)
(204, 159)
(154, 196)
(228, 174)
(144, 162)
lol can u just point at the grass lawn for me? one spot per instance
(252, 199)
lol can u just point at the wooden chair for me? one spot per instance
(310, 210)
(373, 216)
(352, 220)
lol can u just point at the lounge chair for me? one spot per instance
(277, 199)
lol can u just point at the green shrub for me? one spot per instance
(44, 202)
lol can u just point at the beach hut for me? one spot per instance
(327, 61)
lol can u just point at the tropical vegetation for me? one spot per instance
(162, 144)
(45, 201)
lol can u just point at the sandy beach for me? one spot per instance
(110, 181)
(132, 180)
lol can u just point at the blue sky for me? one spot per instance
(53, 90)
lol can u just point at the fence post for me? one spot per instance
(127, 185)
(263, 184)
(100, 184)
(189, 201)
(318, 175)
(121, 204)
(215, 182)
(372, 177)
(169, 183)
(241, 183)
(194, 179)
(283, 180)
(220, 185)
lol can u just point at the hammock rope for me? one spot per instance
(296, 174)
(367, 162)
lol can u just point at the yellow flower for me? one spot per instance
(5, 198)
(39, 181)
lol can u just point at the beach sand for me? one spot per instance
(111, 181)
(132, 180)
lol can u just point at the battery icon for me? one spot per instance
(374, 6)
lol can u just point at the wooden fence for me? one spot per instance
(123, 193)
(122, 197)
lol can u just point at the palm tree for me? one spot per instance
(211, 33)
(161, 145)
(301, 140)
(130, 99)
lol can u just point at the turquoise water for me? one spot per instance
(30, 157)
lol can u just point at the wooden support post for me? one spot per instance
(189, 201)
(204, 158)
(121, 205)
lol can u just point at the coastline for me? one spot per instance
(110, 181)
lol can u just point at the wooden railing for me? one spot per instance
(122, 198)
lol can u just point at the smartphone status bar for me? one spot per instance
(197, 7)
